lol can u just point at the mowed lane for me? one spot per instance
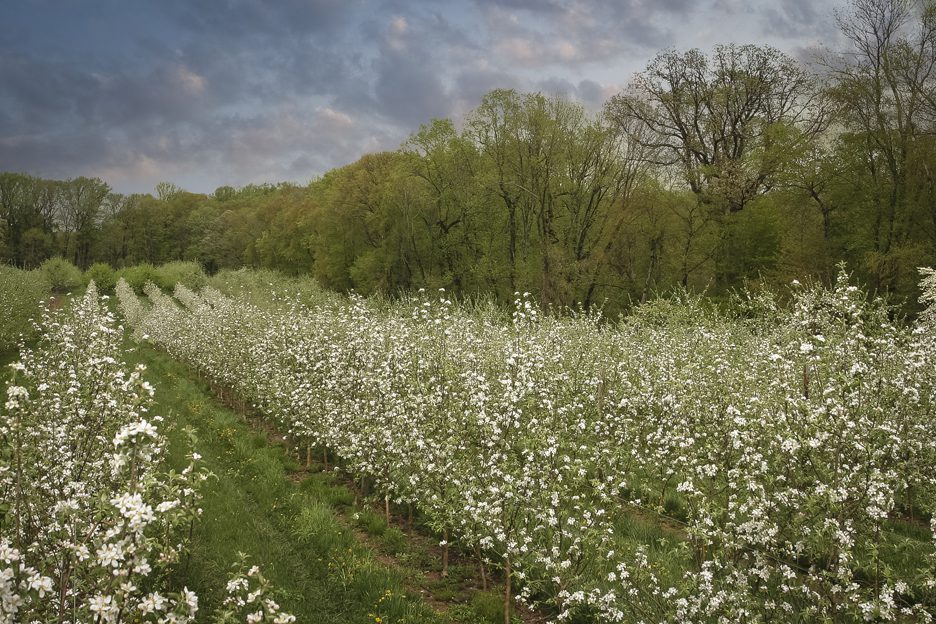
(284, 525)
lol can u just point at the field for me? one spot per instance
(772, 459)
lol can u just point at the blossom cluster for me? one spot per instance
(785, 455)
(248, 599)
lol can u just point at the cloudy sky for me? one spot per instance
(205, 93)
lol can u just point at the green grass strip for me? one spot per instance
(287, 528)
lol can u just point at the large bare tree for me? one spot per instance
(726, 120)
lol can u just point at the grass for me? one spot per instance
(286, 526)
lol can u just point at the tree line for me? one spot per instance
(708, 171)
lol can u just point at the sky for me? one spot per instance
(206, 93)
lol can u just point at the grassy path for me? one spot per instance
(285, 525)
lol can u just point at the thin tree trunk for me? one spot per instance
(512, 251)
(481, 567)
(445, 553)
(507, 589)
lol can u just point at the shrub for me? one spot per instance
(63, 276)
(103, 275)
(22, 293)
(189, 274)
(137, 276)
(265, 288)
(99, 501)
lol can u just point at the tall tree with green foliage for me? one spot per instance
(885, 96)
(727, 123)
(558, 175)
(454, 220)
(82, 201)
(725, 120)
(27, 210)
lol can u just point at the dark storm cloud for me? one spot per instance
(268, 50)
(409, 93)
(59, 155)
(173, 108)
(538, 6)
(235, 91)
(471, 84)
(592, 94)
(583, 31)
(791, 18)
(35, 91)
(589, 93)
(408, 87)
(238, 19)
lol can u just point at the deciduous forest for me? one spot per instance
(711, 170)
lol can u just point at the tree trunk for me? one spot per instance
(507, 589)
(445, 553)
(512, 233)
(481, 567)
